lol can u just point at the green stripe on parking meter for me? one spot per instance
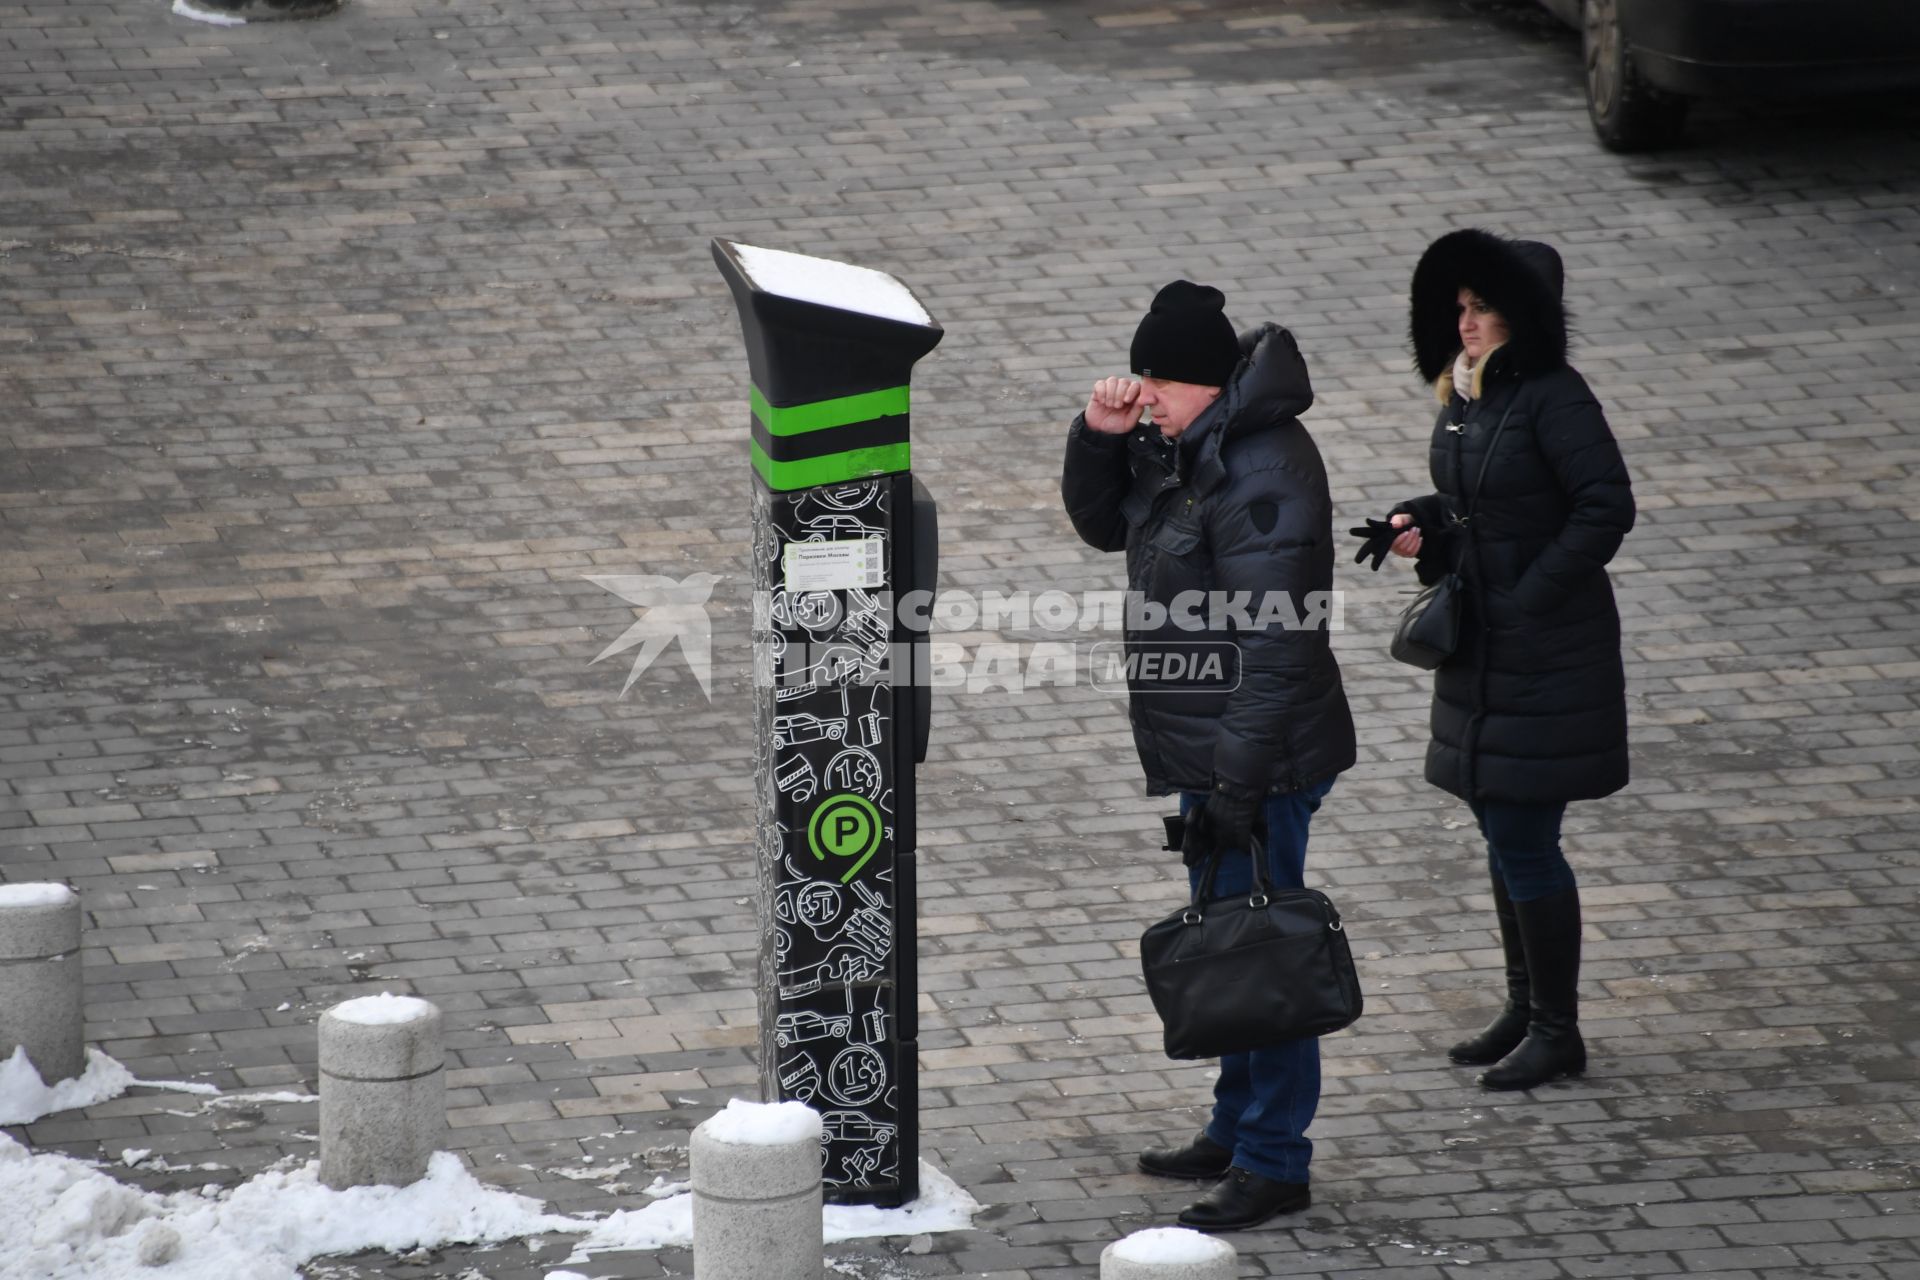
(803, 445)
(798, 419)
(829, 468)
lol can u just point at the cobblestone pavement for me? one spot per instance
(336, 353)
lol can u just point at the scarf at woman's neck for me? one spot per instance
(1463, 376)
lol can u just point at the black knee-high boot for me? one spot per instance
(1550, 934)
(1504, 1034)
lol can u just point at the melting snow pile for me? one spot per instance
(25, 1097)
(943, 1206)
(86, 1226)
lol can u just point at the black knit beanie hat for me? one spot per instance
(1186, 337)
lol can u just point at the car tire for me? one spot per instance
(1628, 114)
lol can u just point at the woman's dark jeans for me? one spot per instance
(1523, 847)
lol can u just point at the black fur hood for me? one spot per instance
(1521, 279)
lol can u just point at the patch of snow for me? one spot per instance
(180, 1086)
(383, 1010)
(764, 1124)
(664, 1224)
(185, 10)
(1170, 1246)
(596, 1174)
(659, 1188)
(40, 894)
(290, 1211)
(830, 284)
(86, 1226)
(246, 1099)
(944, 1205)
(134, 1155)
(25, 1097)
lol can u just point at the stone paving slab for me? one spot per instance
(337, 353)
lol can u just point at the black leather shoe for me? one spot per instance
(1203, 1158)
(1244, 1199)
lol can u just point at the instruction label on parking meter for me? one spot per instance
(833, 566)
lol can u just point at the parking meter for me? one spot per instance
(842, 536)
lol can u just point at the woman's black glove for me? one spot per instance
(1224, 821)
(1378, 538)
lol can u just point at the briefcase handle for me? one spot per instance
(1176, 825)
(1262, 889)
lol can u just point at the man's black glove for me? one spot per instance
(1378, 538)
(1224, 821)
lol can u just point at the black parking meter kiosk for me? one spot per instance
(843, 536)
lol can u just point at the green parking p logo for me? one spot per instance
(844, 829)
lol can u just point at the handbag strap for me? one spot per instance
(1480, 481)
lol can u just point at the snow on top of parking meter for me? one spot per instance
(830, 284)
(764, 1124)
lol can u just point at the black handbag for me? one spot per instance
(1429, 628)
(1249, 971)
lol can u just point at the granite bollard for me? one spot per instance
(756, 1193)
(40, 987)
(1168, 1253)
(383, 1091)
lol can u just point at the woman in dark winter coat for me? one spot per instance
(1530, 711)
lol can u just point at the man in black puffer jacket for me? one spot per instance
(1221, 505)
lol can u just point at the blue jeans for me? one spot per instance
(1523, 847)
(1264, 1100)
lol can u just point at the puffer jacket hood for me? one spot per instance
(1270, 388)
(1520, 279)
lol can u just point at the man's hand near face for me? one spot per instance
(1114, 408)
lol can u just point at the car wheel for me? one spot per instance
(1628, 113)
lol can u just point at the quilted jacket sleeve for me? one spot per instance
(1436, 536)
(1092, 483)
(1579, 447)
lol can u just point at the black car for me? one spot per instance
(1647, 58)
